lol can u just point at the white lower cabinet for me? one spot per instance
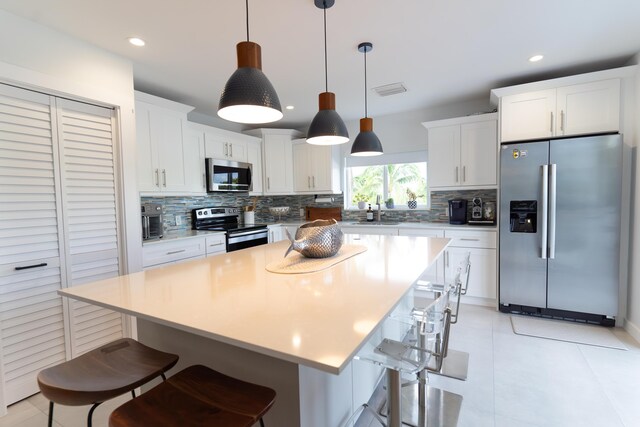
(162, 253)
(276, 233)
(215, 245)
(435, 273)
(371, 229)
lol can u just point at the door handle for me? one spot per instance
(268, 184)
(456, 173)
(164, 177)
(545, 211)
(552, 212)
(176, 252)
(26, 267)
(470, 240)
(551, 126)
(313, 178)
(157, 179)
(562, 121)
(464, 174)
(308, 182)
(230, 150)
(226, 149)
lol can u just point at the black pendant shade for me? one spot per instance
(327, 127)
(366, 143)
(249, 96)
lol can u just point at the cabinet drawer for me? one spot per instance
(160, 253)
(471, 238)
(216, 244)
(429, 232)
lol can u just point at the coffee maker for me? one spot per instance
(457, 211)
(476, 208)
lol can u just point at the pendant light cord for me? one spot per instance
(365, 82)
(247, 9)
(326, 72)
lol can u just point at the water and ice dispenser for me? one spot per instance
(523, 216)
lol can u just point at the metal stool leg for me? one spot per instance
(50, 424)
(394, 398)
(261, 423)
(90, 416)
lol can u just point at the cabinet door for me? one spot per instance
(166, 131)
(588, 108)
(238, 151)
(148, 174)
(444, 157)
(321, 168)
(194, 163)
(483, 281)
(478, 153)
(254, 156)
(215, 147)
(276, 234)
(301, 170)
(278, 164)
(528, 115)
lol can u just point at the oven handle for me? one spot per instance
(247, 233)
(244, 237)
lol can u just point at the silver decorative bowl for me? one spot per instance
(279, 210)
(318, 239)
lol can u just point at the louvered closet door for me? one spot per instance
(31, 313)
(85, 135)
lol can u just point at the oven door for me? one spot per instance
(246, 239)
(223, 175)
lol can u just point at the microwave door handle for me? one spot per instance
(145, 227)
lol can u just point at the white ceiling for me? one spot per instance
(444, 51)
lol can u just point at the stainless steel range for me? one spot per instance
(227, 219)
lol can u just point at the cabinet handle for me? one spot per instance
(268, 184)
(313, 179)
(176, 252)
(204, 181)
(216, 244)
(157, 179)
(226, 149)
(464, 174)
(26, 267)
(469, 240)
(446, 259)
(562, 120)
(456, 173)
(308, 182)
(230, 150)
(551, 127)
(164, 177)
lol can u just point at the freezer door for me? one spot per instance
(584, 272)
(523, 271)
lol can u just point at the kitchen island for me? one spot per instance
(296, 333)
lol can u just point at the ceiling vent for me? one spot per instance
(392, 89)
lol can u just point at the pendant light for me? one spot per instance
(366, 143)
(327, 127)
(249, 96)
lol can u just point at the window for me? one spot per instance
(390, 180)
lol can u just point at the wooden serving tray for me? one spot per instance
(323, 213)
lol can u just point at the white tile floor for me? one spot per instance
(520, 381)
(514, 381)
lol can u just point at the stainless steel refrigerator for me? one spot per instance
(560, 227)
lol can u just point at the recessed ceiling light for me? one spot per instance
(289, 107)
(536, 58)
(136, 41)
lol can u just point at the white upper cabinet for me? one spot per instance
(194, 164)
(221, 145)
(462, 152)
(254, 156)
(277, 159)
(578, 109)
(160, 147)
(316, 168)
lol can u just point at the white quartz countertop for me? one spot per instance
(182, 234)
(425, 225)
(316, 319)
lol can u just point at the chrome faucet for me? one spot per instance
(378, 213)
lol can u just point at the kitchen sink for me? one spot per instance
(374, 223)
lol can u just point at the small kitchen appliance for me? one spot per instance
(227, 219)
(476, 208)
(227, 176)
(151, 221)
(482, 213)
(457, 211)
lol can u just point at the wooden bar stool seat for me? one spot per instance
(102, 374)
(197, 396)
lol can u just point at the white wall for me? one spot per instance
(633, 302)
(403, 132)
(36, 57)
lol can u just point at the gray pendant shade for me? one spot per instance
(327, 127)
(366, 143)
(249, 97)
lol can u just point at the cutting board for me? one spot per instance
(323, 213)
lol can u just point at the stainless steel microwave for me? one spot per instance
(225, 176)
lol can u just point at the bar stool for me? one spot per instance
(102, 374)
(197, 397)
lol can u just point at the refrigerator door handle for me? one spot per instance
(545, 211)
(552, 212)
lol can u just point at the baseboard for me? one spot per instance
(632, 329)
(487, 302)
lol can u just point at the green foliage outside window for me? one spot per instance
(390, 181)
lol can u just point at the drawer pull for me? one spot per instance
(469, 240)
(216, 244)
(26, 267)
(176, 252)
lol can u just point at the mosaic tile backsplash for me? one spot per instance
(182, 206)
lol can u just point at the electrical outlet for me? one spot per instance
(301, 212)
(178, 220)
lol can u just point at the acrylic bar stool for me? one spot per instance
(102, 374)
(404, 350)
(197, 396)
